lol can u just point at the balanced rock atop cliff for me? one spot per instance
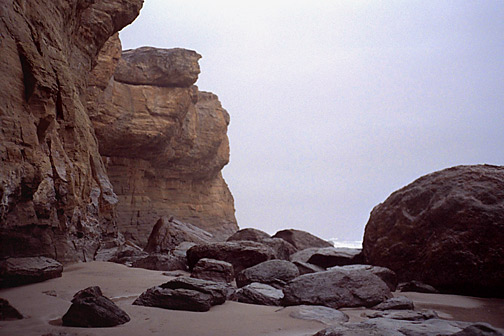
(163, 140)
(445, 229)
(55, 197)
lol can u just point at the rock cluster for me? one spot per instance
(445, 229)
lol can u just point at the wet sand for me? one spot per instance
(45, 303)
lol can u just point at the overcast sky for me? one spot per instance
(336, 104)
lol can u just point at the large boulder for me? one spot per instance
(272, 272)
(158, 67)
(445, 229)
(168, 233)
(241, 255)
(301, 239)
(185, 293)
(213, 270)
(90, 309)
(22, 271)
(336, 289)
(260, 294)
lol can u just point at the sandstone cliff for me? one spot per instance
(55, 197)
(164, 141)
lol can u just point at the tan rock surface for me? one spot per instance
(55, 197)
(164, 146)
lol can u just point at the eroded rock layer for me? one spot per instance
(445, 229)
(55, 197)
(164, 141)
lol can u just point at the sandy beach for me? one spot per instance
(43, 305)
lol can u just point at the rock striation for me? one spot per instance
(164, 141)
(445, 229)
(55, 197)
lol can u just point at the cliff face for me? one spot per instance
(55, 196)
(164, 141)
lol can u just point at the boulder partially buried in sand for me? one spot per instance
(90, 309)
(445, 229)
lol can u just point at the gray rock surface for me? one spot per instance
(213, 270)
(336, 289)
(325, 315)
(275, 273)
(387, 275)
(22, 271)
(306, 268)
(260, 294)
(90, 309)
(396, 303)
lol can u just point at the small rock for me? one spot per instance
(7, 312)
(90, 309)
(326, 315)
(22, 271)
(395, 303)
(213, 270)
(261, 294)
(275, 273)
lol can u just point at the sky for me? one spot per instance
(336, 104)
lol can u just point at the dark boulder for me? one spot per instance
(301, 239)
(90, 309)
(306, 268)
(445, 229)
(168, 233)
(260, 294)
(275, 273)
(241, 254)
(160, 262)
(336, 289)
(22, 271)
(213, 270)
(7, 312)
(185, 294)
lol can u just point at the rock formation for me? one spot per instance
(55, 196)
(163, 140)
(445, 229)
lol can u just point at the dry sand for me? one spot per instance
(45, 303)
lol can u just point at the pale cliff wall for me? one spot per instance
(55, 197)
(163, 141)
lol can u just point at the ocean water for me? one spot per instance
(346, 243)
